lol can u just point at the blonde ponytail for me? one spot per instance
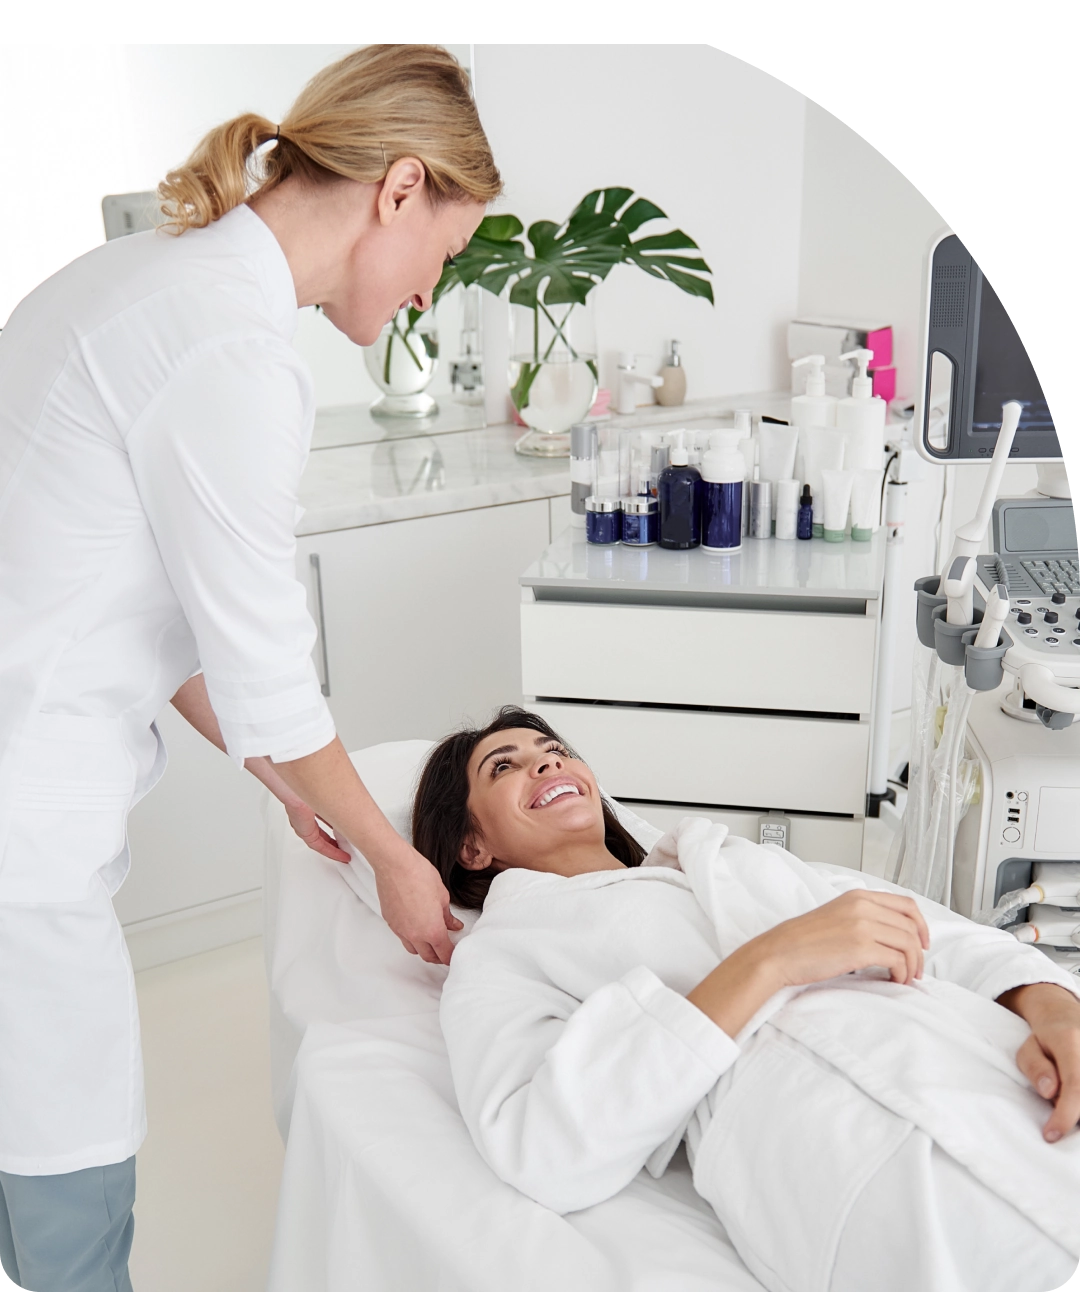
(352, 120)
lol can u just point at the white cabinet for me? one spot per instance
(421, 618)
(421, 633)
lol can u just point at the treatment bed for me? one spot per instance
(382, 1187)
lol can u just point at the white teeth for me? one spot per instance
(554, 794)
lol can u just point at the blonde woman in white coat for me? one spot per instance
(154, 422)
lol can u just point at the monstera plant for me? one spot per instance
(554, 275)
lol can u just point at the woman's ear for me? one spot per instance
(474, 856)
(405, 180)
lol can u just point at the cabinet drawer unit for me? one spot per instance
(743, 659)
(763, 761)
(837, 841)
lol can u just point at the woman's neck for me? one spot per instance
(580, 859)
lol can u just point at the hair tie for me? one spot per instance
(277, 134)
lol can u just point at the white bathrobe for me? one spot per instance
(577, 1060)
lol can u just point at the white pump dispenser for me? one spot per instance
(678, 456)
(862, 418)
(815, 408)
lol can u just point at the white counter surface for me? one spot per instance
(366, 471)
(401, 479)
(826, 576)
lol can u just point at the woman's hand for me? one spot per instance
(1050, 1057)
(416, 905)
(306, 826)
(855, 931)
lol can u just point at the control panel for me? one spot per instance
(1044, 604)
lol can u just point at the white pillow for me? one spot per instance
(391, 772)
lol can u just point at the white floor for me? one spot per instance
(208, 1173)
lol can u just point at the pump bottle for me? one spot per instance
(815, 408)
(862, 418)
(679, 496)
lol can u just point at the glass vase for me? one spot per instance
(553, 373)
(402, 363)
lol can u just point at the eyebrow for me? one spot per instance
(507, 749)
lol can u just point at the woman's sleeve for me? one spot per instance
(567, 1100)
(985, 960)
(217, 458)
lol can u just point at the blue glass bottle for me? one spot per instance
(678, 492)
(804, 525)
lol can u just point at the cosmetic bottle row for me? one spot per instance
(806, 479)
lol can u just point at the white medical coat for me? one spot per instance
(154, 423)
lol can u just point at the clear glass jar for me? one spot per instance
(402, 363)
(553, 373)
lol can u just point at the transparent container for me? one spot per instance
(402, 363)
(553, 373)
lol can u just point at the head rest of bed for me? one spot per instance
(391, 772)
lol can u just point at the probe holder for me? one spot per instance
(949, 638)
(983, 668)
(927, 601)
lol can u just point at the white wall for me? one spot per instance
(712, 141)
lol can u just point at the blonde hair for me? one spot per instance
(352, 120)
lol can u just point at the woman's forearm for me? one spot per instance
(737, 988)
(329, 784)
(193, 704)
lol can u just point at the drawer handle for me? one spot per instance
(320, 620)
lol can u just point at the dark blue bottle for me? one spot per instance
(678, 491)
(804, 525)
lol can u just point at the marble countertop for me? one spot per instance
(368, 471)
(402, 479)
(827, 576)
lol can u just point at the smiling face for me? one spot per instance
(535, 807)
(397, 257)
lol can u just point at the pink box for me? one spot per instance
(884, 382)
(881, 344)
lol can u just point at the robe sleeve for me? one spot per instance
(566, 1099)
(985, 960)
(217, 457)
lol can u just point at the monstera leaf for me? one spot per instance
(570, 259)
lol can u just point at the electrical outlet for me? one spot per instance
(775, 829)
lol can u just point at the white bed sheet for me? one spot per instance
(382, 1187)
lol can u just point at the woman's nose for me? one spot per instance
(549, 762)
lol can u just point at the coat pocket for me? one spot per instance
(791, 1144)
(69, 815)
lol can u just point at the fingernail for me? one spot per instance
(1045, 1086)
(1052, 1136)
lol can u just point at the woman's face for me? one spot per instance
(398, 256)
(533, 804)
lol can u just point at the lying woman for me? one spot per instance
(853, 1070)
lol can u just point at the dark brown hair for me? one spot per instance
(442, 822)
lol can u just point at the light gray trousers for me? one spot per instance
(68, 1233)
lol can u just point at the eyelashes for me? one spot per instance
(554, 748)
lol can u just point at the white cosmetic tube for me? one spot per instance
(777, 445)
(787, 507)
(822, 450)
(865, 504)
(836, 488)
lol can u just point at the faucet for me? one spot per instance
(627, 379)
